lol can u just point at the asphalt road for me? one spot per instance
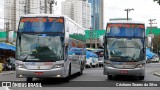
(93, 79)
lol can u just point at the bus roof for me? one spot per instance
(125, 21)
(51, 15)
(43, 15)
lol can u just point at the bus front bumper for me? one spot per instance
(130, 72)
(55, 73)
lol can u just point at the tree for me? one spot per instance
(156, 44)
(158, 1)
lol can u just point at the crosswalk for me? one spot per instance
(4, 88)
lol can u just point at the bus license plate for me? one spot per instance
(123, 71)
(38, 73)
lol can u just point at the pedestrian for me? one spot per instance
(11, 63)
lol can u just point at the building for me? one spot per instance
(13, 9)
(16, 8)
(79, 11)
(32, 6)
(97, 14)
(10, 18)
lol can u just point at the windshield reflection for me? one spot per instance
(40, 47)
(123, 49)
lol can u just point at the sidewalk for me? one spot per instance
(157, 73)
(7, 73)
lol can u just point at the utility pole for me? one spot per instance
(7, 31)
(90, 37)
(25, 9)
(50, 5)
(151, 23)
(128, 11)
(151, 35)
(45, 6)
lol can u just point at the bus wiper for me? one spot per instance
(26, 58)
(133, 60)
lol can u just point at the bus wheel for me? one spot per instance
(81, 70)
(29, 79)
(141, 77)
(110, 77)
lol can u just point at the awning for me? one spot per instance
(91, 54)
(149, 54)
(7, 46)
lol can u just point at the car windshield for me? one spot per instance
(39, 47)
(124, 49)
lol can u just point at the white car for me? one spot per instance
(92, 62)
(155, 58)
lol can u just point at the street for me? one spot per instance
(92, 77)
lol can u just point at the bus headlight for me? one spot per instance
(59, 65)
(20, 66)
(108, 64)
(140, 66)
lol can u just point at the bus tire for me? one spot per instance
(66, 79)
(29, 79)
(81, 71)
(141, 77)
(110, 77)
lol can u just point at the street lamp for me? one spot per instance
(128, 11)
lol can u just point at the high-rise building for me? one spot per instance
(97, 14)
(32, 6)
(8, 10)
(79, 11)
(21, 9)
(13, 9)
(9, 18)
(16, 8)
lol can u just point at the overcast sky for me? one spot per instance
(1, 14)
(143, 10)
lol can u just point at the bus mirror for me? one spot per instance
(149, 42)
(101, 41)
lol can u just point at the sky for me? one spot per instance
(143, 10)
(1, 14)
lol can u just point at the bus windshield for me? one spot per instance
(125, 49)
(39, 47)
(41, 24)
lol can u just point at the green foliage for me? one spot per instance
(158, 1)
(156, 44)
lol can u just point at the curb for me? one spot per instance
(157, 74)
